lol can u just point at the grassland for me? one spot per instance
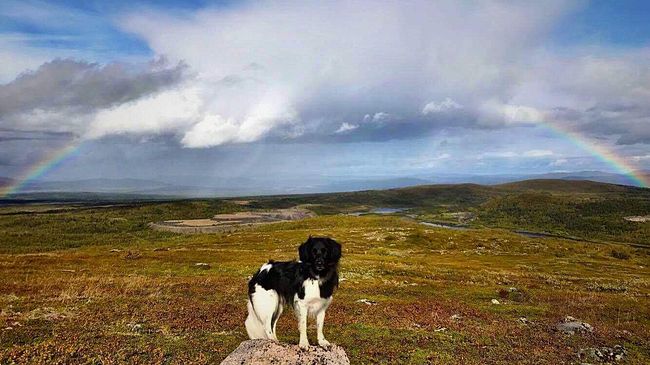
(93, 285)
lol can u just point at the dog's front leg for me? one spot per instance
(320, 321)
(302, 325)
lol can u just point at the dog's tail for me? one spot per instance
(254, 326)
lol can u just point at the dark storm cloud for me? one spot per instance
(629, 122)
(82, 86)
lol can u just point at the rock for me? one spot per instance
(523, 320)
(135, 327)
(602, 354)
(571, 326)
(202, 265)
(367, 301)
(495, 302)
(456, 317)
(262, 352)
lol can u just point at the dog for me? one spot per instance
(306, 285)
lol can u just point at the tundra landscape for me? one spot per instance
(462, 182)
(92, 283)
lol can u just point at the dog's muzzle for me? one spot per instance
(320, 265)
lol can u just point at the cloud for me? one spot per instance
(538, 153)
(63, 95)
(346, 127)
(164, 112)
(214, 130)
(513, 154)
(443, 106)
(504, 154)
(495, 112)
(341, 71)
(559, 162)
(596, 91)
(342, 61)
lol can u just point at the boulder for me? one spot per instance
(262, 352)
(572, 325)
(602, 354)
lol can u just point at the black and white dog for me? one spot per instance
(307, 285)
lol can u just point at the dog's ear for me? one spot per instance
(335, 249)
(304, 249)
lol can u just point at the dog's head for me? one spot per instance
(321, 253)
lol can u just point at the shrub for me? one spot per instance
(621, 255)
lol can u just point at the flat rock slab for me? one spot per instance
(264, 352)
(571, 326)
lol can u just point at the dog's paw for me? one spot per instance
(324, 344)
(304, 345)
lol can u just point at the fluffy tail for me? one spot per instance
(254, 326)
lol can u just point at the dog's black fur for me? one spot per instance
(319, 259)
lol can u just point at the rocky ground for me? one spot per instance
(264, 352)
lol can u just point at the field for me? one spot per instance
(89, 284)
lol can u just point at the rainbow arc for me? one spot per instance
(601, 151)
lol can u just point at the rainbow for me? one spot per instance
(602, 152)
(51, 161)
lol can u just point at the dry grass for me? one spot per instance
(131, 302)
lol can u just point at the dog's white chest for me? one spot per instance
(313, 299)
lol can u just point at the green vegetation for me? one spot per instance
(579, 209)
(88, 285)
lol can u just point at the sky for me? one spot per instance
(195, 91)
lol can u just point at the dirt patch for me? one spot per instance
(638, 218)
(241, 202)
(231, 222)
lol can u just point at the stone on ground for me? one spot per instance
(571, 326)
(262, 352)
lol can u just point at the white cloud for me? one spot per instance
(443, 106)
(378, 117)
(538, 153)
(495, 113)
(340, 60)
(381, 117)
(513, 154)
(559, 162)
(165, 112)
(346, 127)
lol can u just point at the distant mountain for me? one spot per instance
(599, 176)
(567, 186)
(203, 186)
